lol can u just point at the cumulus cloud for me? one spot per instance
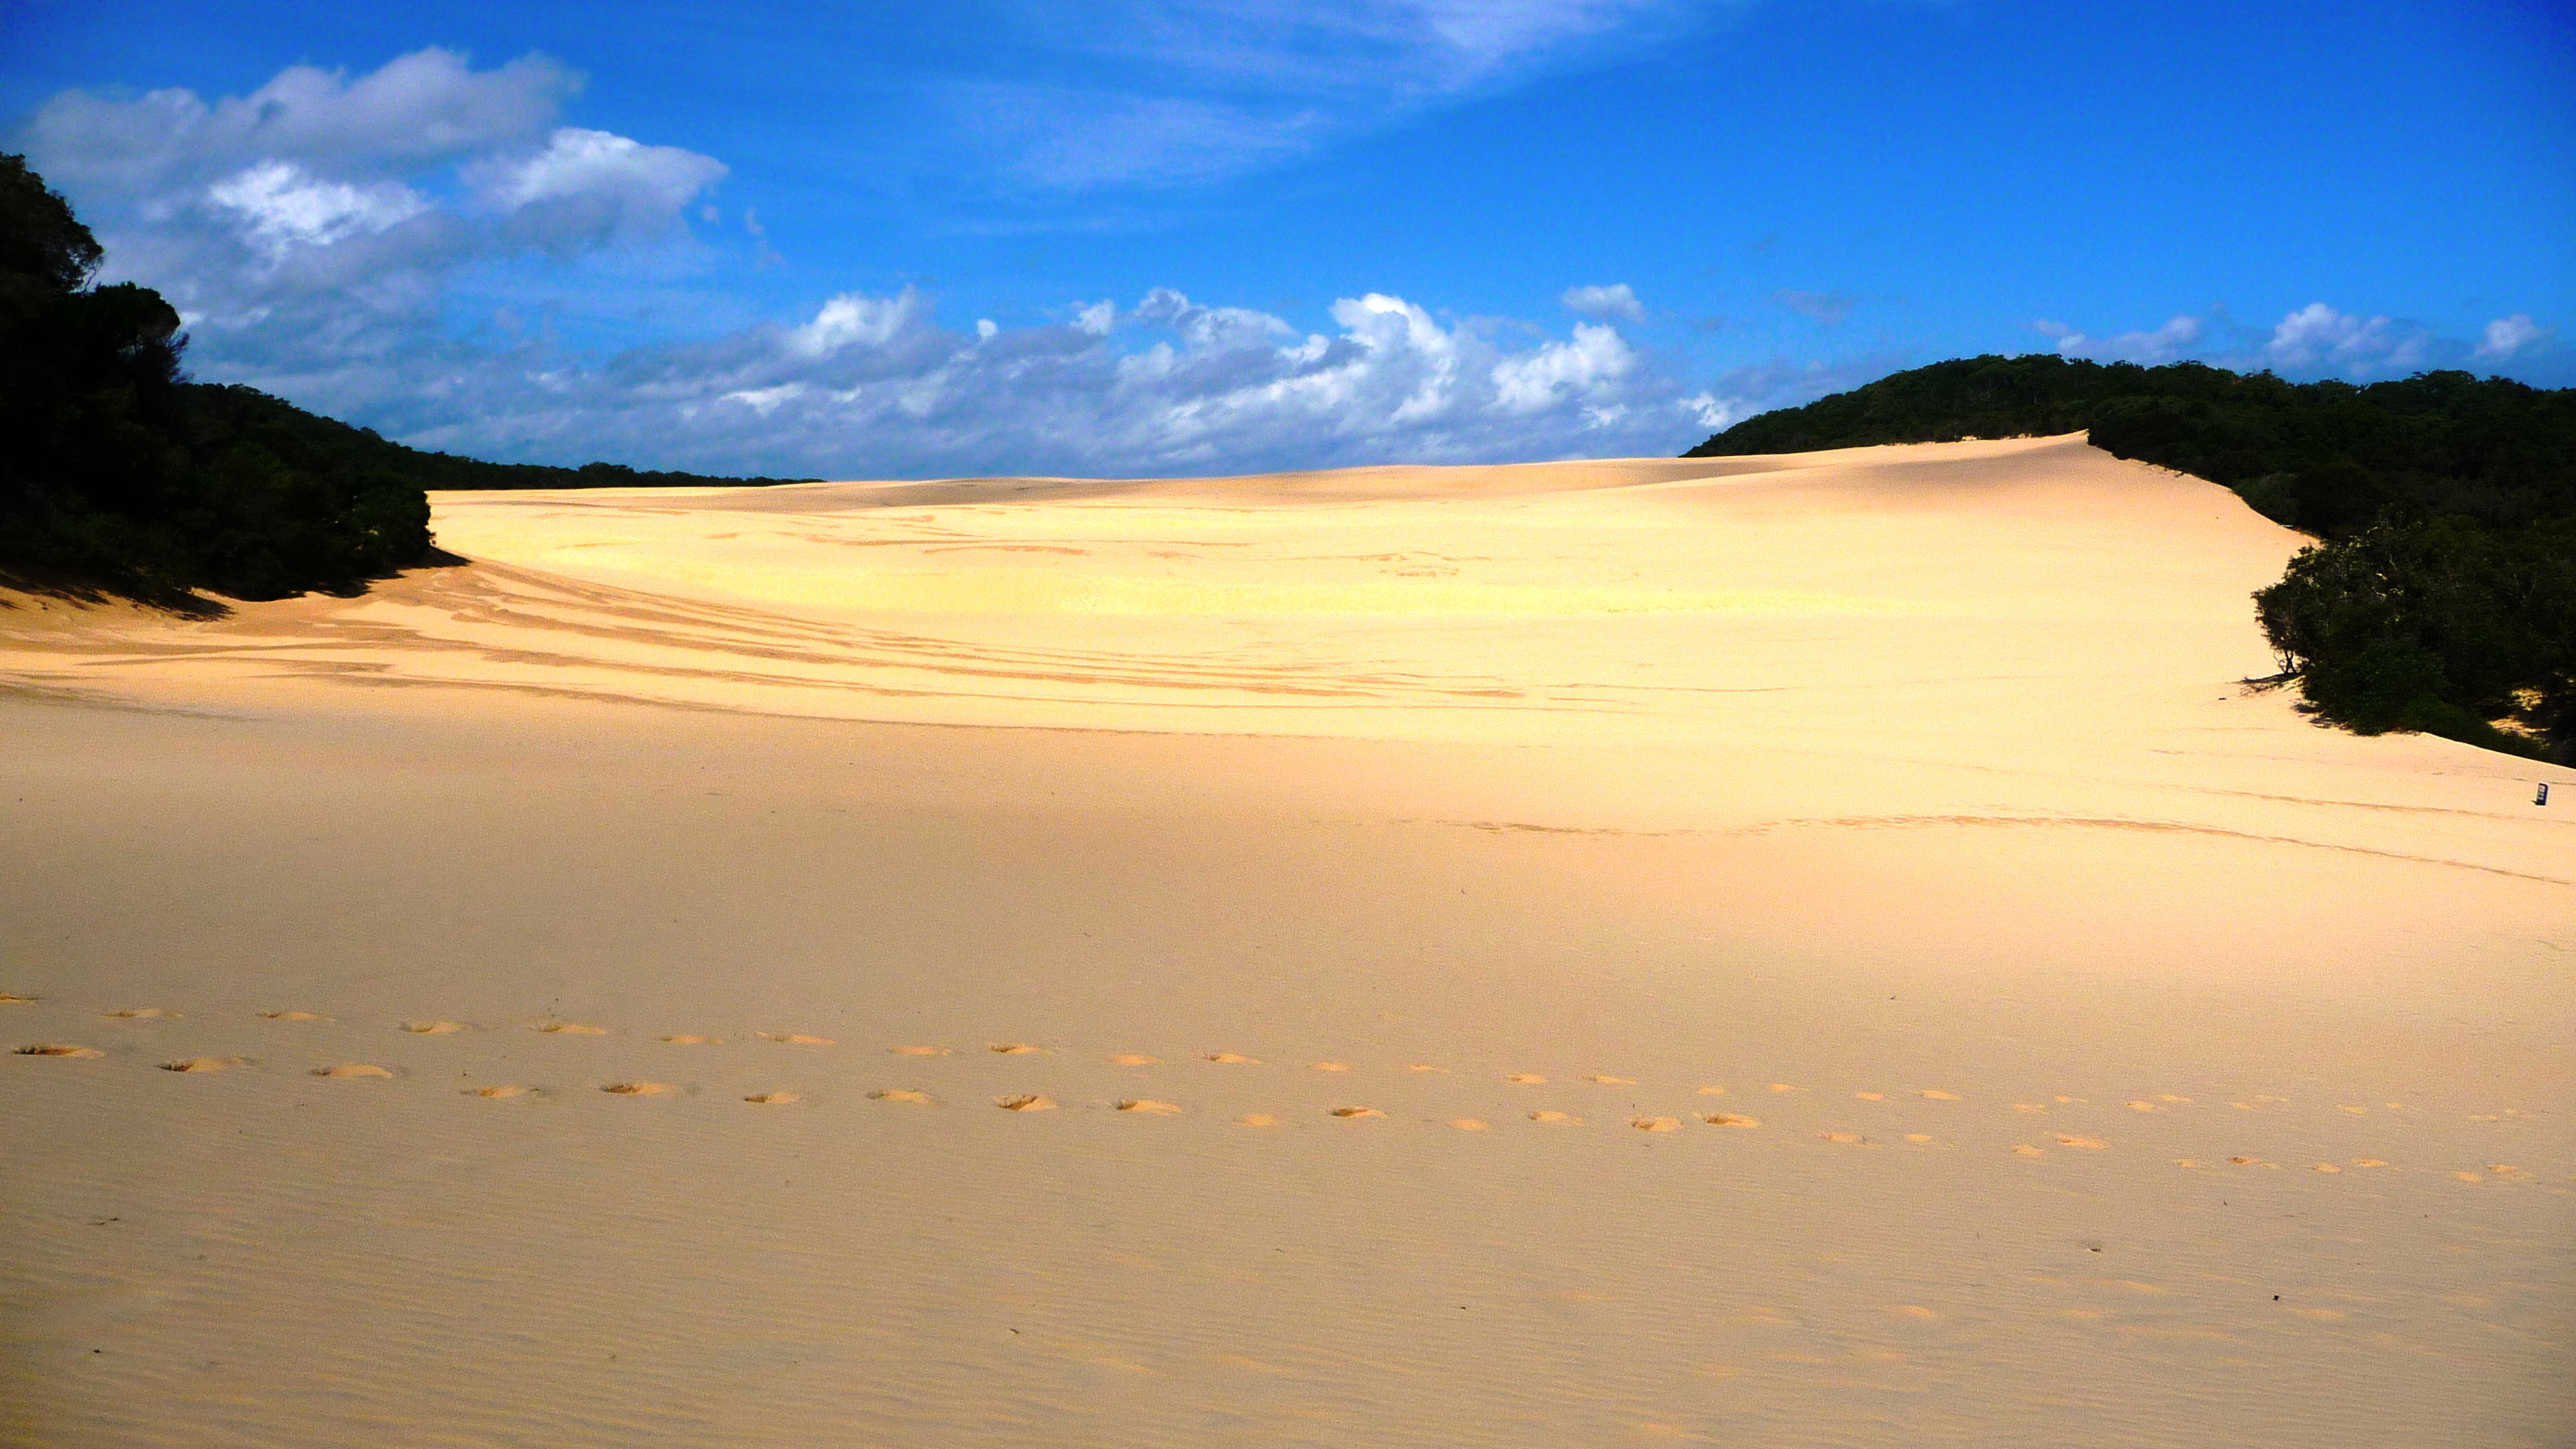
(2179, 338)
(282, 206)
(1616, 300)
(875, 386)
(2510, 337)
(417, 111)
(586, 187)
(324, 219)
(1826, 308)
(2319, 337)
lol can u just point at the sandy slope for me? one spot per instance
(1901, 803)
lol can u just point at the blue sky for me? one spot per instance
(1211, 235)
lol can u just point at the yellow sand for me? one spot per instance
(1910, 792)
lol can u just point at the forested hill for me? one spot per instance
(117, 475)
(2443, 594)
(363, 447)
(2323, 457)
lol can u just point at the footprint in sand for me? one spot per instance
(2467, 1177)
(1014, 1049)
(1135, 1059)
(2089, 1144)
(432, 1028)
(2356, 1111)
(1470, 1124)
(1870, 1096)
(2251, 1162)
(1712, 1091)
(903, 1051)
(1332, 1066)
(1256, 1119)
(497, 1094)
(1525, 1079)
(2368, 1162)
(1148, 1105)
(1423, 1067)
(1024, 1102)
(346, 1071)
(2170, 1097)
(1783, 1087)
(2024, 1149)
(773, 1099)
(572, 1028)
(1543, 1115)
(1918, 1138)
(639, 1089)
(140, 1013)
(202, 1064)
(1729, 1119)
(688, 1039)
(11, 998)
(798, 1038)
(2144, 1107)
(1935, 1094)
(1609, 1081)
(1231, 1059)
(1356, 1112)
(57, 1049)
(292, 1016)
(2324, 1167)
(1656, 1124)
(1844, 1137)
(898, 1094)
(2028, 1107)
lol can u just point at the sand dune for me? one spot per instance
(1781, 951)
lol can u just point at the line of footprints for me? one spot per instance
(1038, 1102)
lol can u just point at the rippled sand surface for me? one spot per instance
(1779, 951)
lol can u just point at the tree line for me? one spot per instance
(2441, 594)
(118, 475)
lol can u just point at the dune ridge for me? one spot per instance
(1363, 891)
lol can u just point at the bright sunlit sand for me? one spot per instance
(1816, 950)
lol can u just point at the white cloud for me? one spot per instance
(328, 218)
(853, 320)
(1584, 370)
(1616, 300)
(646, 185)
(2318, 336)
(281, 206)
(418, 110)
(2177, 339)
(873, 386)
(2510, 337)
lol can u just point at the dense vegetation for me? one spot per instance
(119, 475)
(2442, 595)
